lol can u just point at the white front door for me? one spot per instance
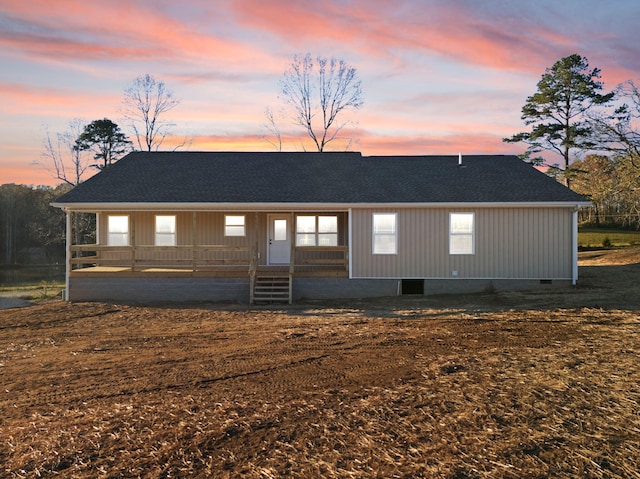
(279, 239)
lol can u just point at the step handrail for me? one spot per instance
(253, 268)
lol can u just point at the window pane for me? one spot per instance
(118, 239)
(327, 224)
(461, 233)
(384, 223)
(461, 244)
(280, 230)
(234, 230)
(384, 233)
(118, 224)
(305, 239)
(231, 220)
(163, 239)
(306, 224)
(165, 230)
(462, 223)
(328, 239)
(384, 244)
(234, 225)
(165, 224)
(118, 231)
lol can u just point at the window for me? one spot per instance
(118, 231)
(165, 231)
(316, 231)
(385, 233)
(234, 225)
(461, 233)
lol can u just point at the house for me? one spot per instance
(194, 226)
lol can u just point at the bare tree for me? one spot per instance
(619, 132)
(68, 162)
(145, 102)
(65, 160)
(317, 92)
(272, 126)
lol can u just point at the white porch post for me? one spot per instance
(194, 242)
(574, 246)
(67, 269)
(350, 242)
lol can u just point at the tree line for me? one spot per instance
(31, 231)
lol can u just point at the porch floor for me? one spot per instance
(228, 272)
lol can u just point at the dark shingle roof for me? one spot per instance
(347, 177)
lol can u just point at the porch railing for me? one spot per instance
(204, 257)
(193, 258)
(319, 257)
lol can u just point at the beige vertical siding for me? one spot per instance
(524, 243)
(209, 227)
(209, 231)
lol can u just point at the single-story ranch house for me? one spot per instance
(265, 226)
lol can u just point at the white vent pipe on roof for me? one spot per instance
(459, 159)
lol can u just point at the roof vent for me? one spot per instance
(460, 160)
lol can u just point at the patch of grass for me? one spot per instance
(34, 292)
(590, 238)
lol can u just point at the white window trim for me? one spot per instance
(374, 235)
(126, 235)
(173, 235)
(472, 234)
(234, 225)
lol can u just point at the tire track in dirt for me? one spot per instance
(104, 357)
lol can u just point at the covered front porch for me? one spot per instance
(269, 250)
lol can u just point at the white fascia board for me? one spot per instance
(94, 207)
(288, 207)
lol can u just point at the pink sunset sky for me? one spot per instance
(439, 77)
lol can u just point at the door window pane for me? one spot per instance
(280, 230)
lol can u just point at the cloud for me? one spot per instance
(117, 30)
(368, 142)
(384, 28)
(451, 144)
(437, 75)
(22, 169)
(193, 78)
(516, 36)
(21, 99)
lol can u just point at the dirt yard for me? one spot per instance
(517, 385)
